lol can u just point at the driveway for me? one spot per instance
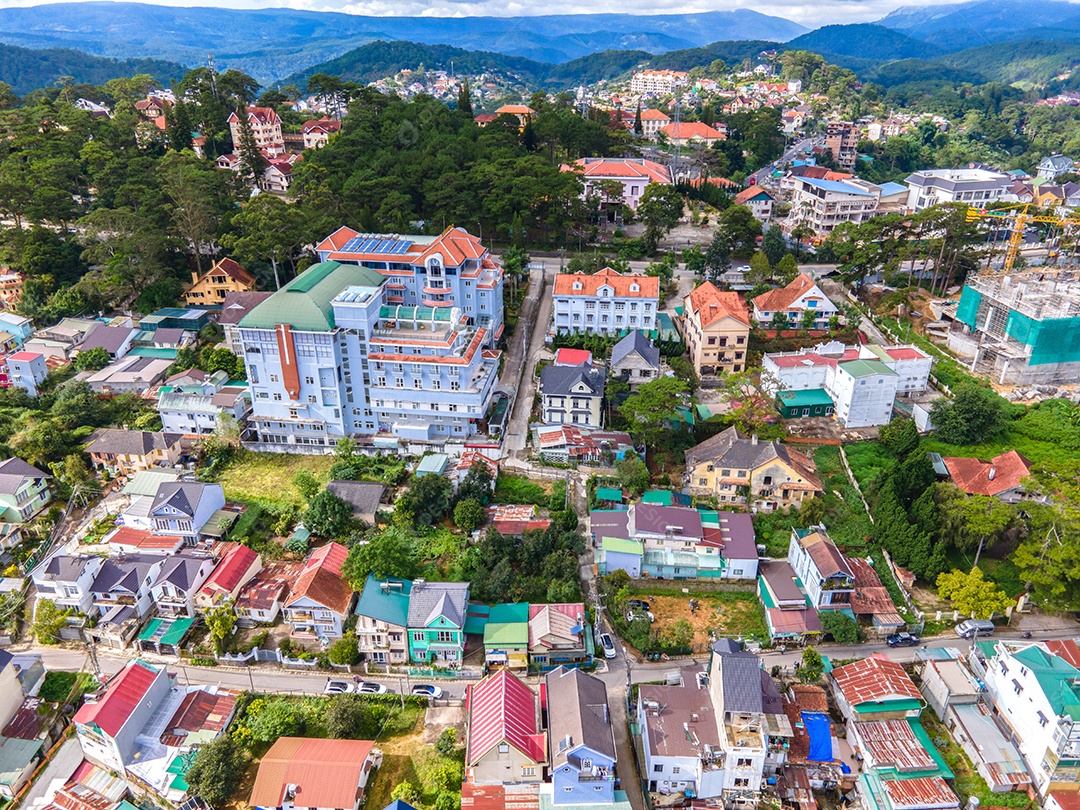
(534, 326)
(56, 773)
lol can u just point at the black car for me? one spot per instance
(637, 604)
(903, 640)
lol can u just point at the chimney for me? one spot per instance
(194, 277)
(993, 471)
(753, 440)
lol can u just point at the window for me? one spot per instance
(419, 637)
(274, 378)
(742, 762)
(586, 763)
(675, 769)
(309, 380)
(528, 771)
(742, 783)
(446, 636)
(658, 768)
(504, 748)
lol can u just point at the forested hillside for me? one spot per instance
(25, 69)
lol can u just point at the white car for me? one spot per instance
(427, 690)
(338, 688)
(608, 645)
(372, 688)
(631, 615)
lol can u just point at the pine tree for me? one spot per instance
(528, 136)
(178, 126)
(252, 162)
(638, 128)
(464, 99)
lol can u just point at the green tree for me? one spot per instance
(276, 718)
(352, 717)
(843, 628)
(812, 666)
(900, 436)
(464, 99)
(760, 270)
(786, 270)
(977, 521)
(807, 319)
(972, 595)
(267, 228)
(344, 650)
(389, 553)
(774, 245)
(468, 515)
(446, 745)
(252, 162)
(638, 128)
(406, 792)
(216, 770)
(306, 484)
(220, 621)
(659, 209)
(49, 620)
(974, 414)
(654, 407)
(632, 474)
(93, 359)
(718, 255)
(476, 485)
(426, 501)
(740, 228)
(328, 515)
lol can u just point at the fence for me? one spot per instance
(450, 674)
(855, 483)
(244, 659)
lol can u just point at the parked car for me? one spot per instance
(372, 688)
(338, 688)
(608, 645)
(427, 690)
(974, 627)
(637, 604)
(903, 640)
(633, 615)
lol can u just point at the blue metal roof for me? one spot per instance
(833, 185)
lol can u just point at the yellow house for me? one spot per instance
(211, 287)
(716, 327)
(768, 475)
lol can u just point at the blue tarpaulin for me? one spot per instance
(817, 727)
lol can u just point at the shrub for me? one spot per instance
(344, 650)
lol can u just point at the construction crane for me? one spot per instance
(1020, 219)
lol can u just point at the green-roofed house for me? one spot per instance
(506, 636)
(17, 761)
(1036, 693)
(799, 404)
(612, 494)
(617, 553)
(382, 617)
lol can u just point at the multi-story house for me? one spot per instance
(504, 745)
(605, 303)
(18, 326)
(180, 579)
(233, 309)
(821, 205)
(580, 737)
(630, 175)
(558, 636)
(716, 326)
(436, 622)
(825, 573)
(452, 269)
(67, 581)
(116, 340)
(302, 773)
(124, 452)
(123, 596)
(573, 395)
(759, 200)
(239, 565)
(658, 82)
(183, 508)
(634, 359)
(261, 599)
(793, 301)
(1035, 694)
(265, 126)
(382, 618)
(321, 597)
(317, 133)
(766, 474)
(108, 727)
(26, 370)
(976, 187)
(652, 121)
(1052, 165)
(211, 287)
(198, 409)
(24, 491)
(841, 140)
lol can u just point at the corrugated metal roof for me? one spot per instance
(503, 709)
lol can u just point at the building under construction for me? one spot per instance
(1022, 328)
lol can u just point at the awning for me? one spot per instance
(176, 631)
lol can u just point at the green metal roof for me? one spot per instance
(476, 619)
(660, 497)
(506, 634)
(15, 755)
(866, 368)
(150, 630)
(807, 398)
(390, 605)
(1057, 678)
(621, 546)
(176, 631)
(434, 463)
(150, 351)
(305, 302)
(222, 517)
(902, 705)
(146, 482)
(609, 494)
(509, 612)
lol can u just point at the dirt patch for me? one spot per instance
(397, 764)
(726, 614)
(439, 718)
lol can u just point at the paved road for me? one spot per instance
(517, 431)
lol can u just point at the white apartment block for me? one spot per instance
(862, 381)
(336, 353)
(606, 302)
(824, 204)
(977, 187)
(658, 82)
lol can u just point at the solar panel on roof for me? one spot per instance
(366, 243)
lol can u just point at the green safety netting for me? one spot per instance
(968, 309)
(1055, 340)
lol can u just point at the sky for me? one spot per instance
(811, 13)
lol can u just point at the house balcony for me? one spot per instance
(428, 289)
(837, 585)
(109, 600)
(431, 302)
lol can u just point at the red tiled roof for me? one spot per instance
(230, 571)
(747, 194)
(654, 115)
(456, 245)
(782, 298)
(499, 797)
(515, 109)
(138, 538)
(1067, 799)
(572, 357)
(1066, 649)
(233, 270)
(684, 130)
(974, 476)
(503, 709)
(905, 353)
(874, 679)
(810, 698)
(326, 772)
(321, 580)
(596, 168)
(713, 304)
(325, 124)
(202, 711)
(485, 118)
(123, 694)
(648, 286)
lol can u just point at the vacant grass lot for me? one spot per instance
(268, 476)
(726, 613)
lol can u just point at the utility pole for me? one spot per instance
(213, 73)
